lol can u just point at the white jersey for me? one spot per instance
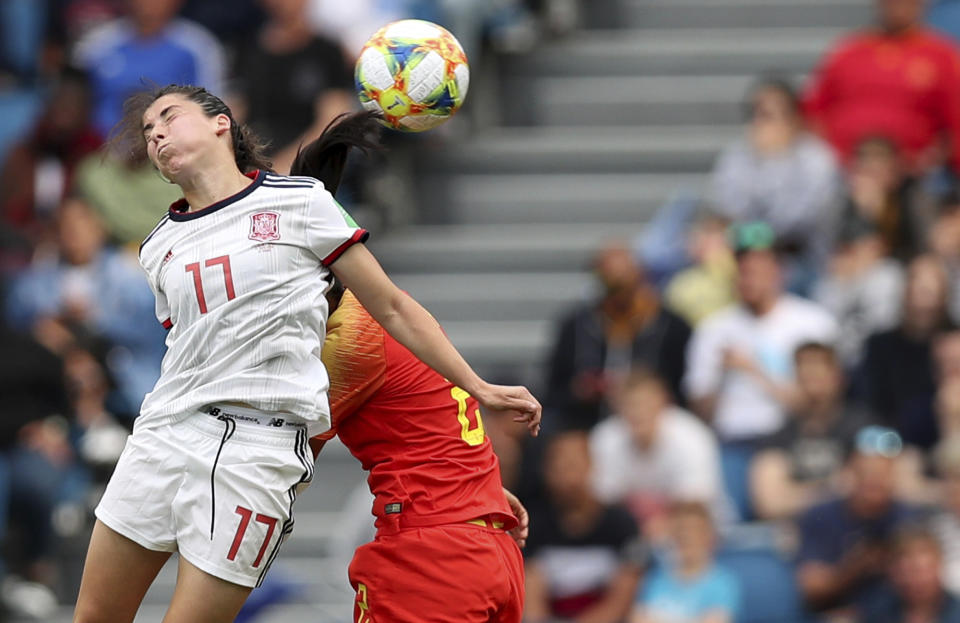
(240, 285)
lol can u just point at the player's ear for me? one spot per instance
(223, 124)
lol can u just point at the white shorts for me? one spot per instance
(218, 487)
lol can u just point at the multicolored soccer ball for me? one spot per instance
(414, 73)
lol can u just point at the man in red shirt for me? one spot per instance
(898, 79)
(443, 551)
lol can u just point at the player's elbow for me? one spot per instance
(394, 312)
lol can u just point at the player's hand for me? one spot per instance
(522, 530)
(513, 400)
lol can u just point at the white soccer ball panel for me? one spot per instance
(462, 73)
(412, 29)
(374, 69)
(422, 122)
(425, 77)
(372, 106)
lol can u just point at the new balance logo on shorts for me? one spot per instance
(264, 420)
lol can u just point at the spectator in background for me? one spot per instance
(778, 173)
(844, 542)
(98, 437)
(291, 82)
(897, 372)
(946, 368)
(69, 21)
(600, 342)
(127, 193)
(34, 455)
(86, 288)
(800, 465)
(943, 241)
(351, 24)
(862, 288)
(233, 22)
(38, 172)
(741, 359)
(708, 286)
(899, 78)
(881, 195)
(945, 523)
(151, 43)
(653, 453)
(583, 561)
(915, 591)
(689, 586)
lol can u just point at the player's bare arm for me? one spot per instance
(413, 326)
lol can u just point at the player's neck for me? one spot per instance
(210, 185)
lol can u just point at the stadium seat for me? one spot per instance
(18, 110)
(769, 592)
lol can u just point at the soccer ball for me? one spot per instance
(414, 73)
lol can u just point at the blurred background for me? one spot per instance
(719, 239)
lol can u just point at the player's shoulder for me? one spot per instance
(294, 191)
(151, 243)
(350, 317)
(290, 182)
(349, 308)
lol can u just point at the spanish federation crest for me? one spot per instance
(264, 226)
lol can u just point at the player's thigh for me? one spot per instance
(235, 508)
(202, 598)
(116, 575)
(512, 580)
(430, 575)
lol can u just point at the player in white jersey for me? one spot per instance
(239, 267)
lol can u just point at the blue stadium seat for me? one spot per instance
(18, 111)
(767, 583)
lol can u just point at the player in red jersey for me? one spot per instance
(443, 550)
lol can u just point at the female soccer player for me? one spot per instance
(239, 267)
(444, 551)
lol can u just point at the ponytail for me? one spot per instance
(325, 157)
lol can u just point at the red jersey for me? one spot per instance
(905, 87)
(420, 437)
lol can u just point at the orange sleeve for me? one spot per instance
(353, 353)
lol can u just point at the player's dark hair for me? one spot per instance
(325, 157)
(335, 293)
(127, 135)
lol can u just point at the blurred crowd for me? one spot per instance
(758, 420)
(79, 342)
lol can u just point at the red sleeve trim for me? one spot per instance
(167, 324)
(360, 235)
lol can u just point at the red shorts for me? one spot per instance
(454, 573)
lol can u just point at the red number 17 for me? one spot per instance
(245, 514)
(224, 261)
